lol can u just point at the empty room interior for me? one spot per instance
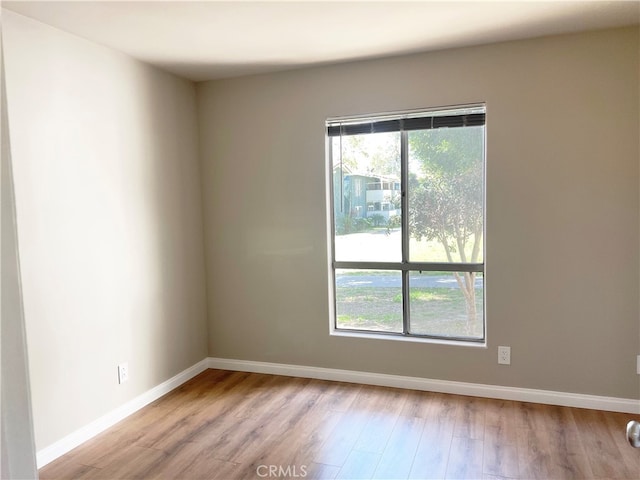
(320, 240)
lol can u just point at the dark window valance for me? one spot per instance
(400, 124)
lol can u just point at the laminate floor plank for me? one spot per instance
(313, 437)
(376, 432)
(192, 461)
(470, 418)
(502, 414)
(200, 391)
(224, 425)
(416, 404)
(500, 454)
(401, 448)
(246, 435)
(270, 395)
(320, 471)
(389, 400)
(340, 442)
(384, 406)
(379, 399)
(275, 427)
(535, 455)
(190, 417)
(465, 459)
(359, 465)
(556, 418)
(630, 456)
(251, 392)
(67, 467)
(432, 453)
(569, 458)
(600, 446)
(372, 407)
(132, 463)
(97, 451)
(340, 396)
(528, 415)
(443, 409)
(145, 427)
(168, 433)
(289, 421)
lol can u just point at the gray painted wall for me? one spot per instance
(17, 446)
(109, 212)
(562, 210)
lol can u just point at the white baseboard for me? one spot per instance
(66, 444)
(612, 404)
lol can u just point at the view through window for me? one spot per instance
(408, 223)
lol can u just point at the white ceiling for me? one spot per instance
(213, 39)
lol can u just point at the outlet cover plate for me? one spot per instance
(504, 355)
(123, 372)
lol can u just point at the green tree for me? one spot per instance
(446, 197)
(377, 154)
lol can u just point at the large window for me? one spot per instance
(407, 219)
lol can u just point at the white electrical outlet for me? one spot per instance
(123, 372)
(504, 355)
(638, 364)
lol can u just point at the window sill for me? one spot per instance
(407, 338)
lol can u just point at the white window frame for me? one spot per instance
(405, 266)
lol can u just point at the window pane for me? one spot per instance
(446, 304)
(366, 197)
(369, 300)
(446, 192)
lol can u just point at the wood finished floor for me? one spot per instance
(225, 425)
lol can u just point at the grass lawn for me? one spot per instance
(377, 244)
(372, 305)
(433, 311)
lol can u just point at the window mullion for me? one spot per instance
(404, 184)
(330, 175)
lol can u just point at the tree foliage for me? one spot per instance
(377, 154)
(446, 196)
